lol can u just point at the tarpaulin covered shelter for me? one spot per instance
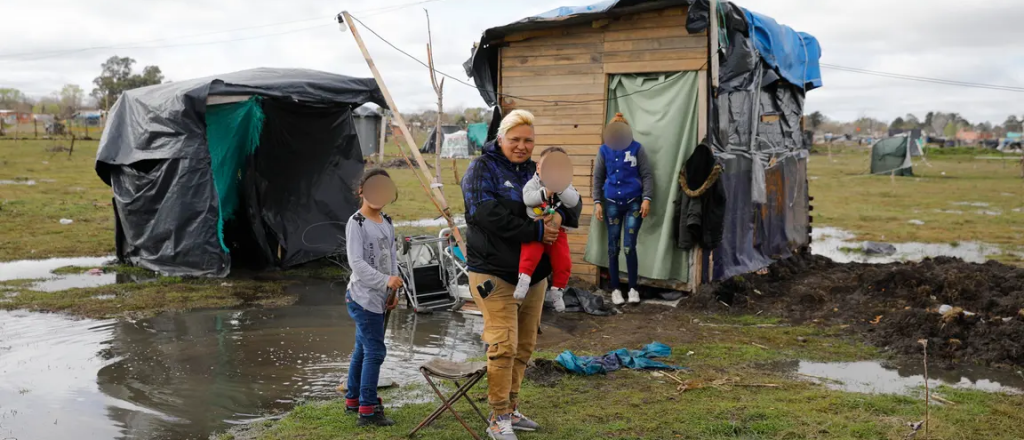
(574, 67)
(259, 166)
(893, 156)
(430, 144)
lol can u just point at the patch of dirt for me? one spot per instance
(892, 305)
(58, 149)
(545, 373)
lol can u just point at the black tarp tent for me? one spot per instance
(295, 190)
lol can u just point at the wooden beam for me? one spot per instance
(655, 66)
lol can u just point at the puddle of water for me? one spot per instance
(18, 182)
(837, 244)
(988, 212)
(916, 222)
(430, 222)
(974, 204)
(874, 378)
(42, 269)
(949, 211)
(188, 375)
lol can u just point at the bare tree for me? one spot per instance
(439, 90)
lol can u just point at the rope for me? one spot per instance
(712, 178)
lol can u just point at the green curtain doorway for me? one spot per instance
(663, 110)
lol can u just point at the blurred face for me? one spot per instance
(618, 136)
(378, 191)
(556, 171)
(517, 144)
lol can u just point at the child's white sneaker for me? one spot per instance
(617, 297)
(556, 295)
(634, 296)
(522, 287)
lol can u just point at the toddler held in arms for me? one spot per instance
(539, 204)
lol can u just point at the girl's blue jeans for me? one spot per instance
(368, 356)
(619, 216)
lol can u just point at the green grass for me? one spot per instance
(723, 405)
(875, 208)
(135, 300)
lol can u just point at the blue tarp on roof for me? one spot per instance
(793, 54)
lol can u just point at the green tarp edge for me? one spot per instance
(663, 111)
(232, 134)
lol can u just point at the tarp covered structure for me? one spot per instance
(260, 165)
(756, 155)
(892, 156)
(430, 144)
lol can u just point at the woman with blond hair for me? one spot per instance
(498, 225)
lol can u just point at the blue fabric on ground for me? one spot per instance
(617, 359)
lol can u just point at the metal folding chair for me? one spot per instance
(469, 373)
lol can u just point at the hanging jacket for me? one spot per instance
(622, 175)
(498, 225)
(702, 218)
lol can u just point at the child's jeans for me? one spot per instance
(368, 356)
(615, 216)
(558, 252)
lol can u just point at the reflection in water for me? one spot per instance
(873, 377)
(188, 375)
(837, 245)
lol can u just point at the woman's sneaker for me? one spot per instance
(500, 428)
(521, 423)
(617, 297)
(557, 299)
(634, 296)
(522, 287)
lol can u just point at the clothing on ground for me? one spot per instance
(622, 175)
(510, 330)
(496, 216)
(615, 360)
(367, 357)
(583, 301)
(535, 196)
(370, 247)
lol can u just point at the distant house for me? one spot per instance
(971, 137)
(89, 118)
(11, 117)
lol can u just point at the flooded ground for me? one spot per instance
(43, 270)
(876, 378)
(430, 222)
(841, 247)
(18, 182)
(188, 375)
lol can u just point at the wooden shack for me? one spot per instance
(563, 66)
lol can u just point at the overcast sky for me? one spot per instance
(43, 41)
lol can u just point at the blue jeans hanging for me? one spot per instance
(368, 356)
(617, 215)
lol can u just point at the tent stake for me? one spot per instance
(437, 195)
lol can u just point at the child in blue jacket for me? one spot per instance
(623, 188)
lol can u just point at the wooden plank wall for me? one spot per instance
(561, 76)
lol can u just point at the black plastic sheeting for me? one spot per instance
(308, 165)
(758, 234)
(154, 155)
(430, 145)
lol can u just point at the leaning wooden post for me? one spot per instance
(383, 137)
(435, 189)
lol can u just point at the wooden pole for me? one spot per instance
(35, 127)
(439, 90)
(713, 44)
(436, 193)
(383, 137)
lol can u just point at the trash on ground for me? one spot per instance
(875, 248)
(95, 271)
(583, 301)
(66, 221)
(615, 360)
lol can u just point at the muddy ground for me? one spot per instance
(892, 305)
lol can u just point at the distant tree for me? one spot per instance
(815, 120)
(984, 127)
(1012, 124)
(71, 96)
(897, 123)
(939, 122)
(950, 130)
(11, 98)
(928, 119)
(911, 122)
(49, 105)
(116, 77)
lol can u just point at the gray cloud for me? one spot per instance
(977, 42)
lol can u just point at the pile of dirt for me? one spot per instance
(892, 305)
(545, 373)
